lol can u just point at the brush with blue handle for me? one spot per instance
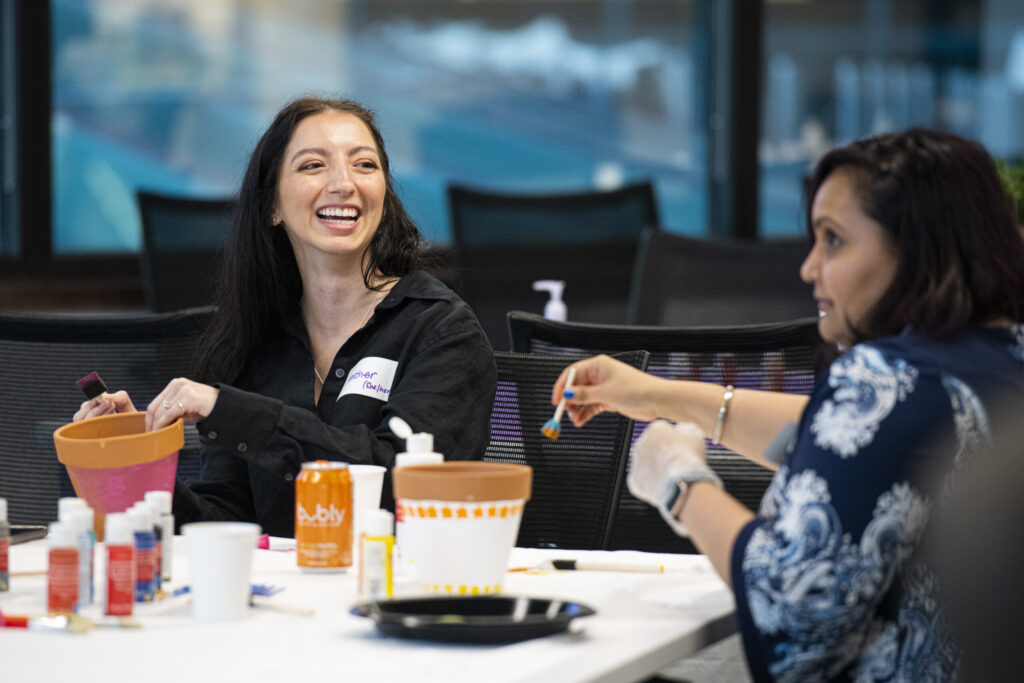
(554, 425)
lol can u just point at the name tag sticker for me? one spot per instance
(372, 376)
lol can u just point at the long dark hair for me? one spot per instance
(259, 286)
(960, 253)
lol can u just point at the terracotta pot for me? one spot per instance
(458, 522)
(112, 460)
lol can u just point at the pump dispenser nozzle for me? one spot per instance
(555, 308)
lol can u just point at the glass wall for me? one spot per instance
(838, 70)
(169, 96)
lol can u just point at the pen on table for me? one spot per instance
(595, 565)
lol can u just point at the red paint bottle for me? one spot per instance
(62, 575)
(119, 538)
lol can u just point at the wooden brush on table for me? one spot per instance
(552, 427)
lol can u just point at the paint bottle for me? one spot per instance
(62, 573)
(376, 554)
(158, 546)
(81, 521)
(5, 548)
(165, 522)
(145, 544)
(119, 539)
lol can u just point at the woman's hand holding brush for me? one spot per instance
(601, 384)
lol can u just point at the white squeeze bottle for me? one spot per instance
(555, 308)
(419, 450)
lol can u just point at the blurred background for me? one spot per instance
(722, 104)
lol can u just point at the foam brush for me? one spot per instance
(92, 386)
(552, 427)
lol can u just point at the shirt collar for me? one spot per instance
(416, 285)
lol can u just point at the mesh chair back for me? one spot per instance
(41, 356)
(576, 479)
(502, 243)
(776, 357)
(684, 281)
(182, 242)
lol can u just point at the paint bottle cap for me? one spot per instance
(62, 535)
(162, 499)
(380, 523)
(66, 505)
(3, 509)
(153, 508)
(139, 516)
(118, 529)
(79, 520)
(421, 442)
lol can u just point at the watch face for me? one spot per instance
(671, 494)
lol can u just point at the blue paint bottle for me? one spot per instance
(145, 549)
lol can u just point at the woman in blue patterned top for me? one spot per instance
(917, 265)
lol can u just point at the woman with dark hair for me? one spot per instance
(918, 270)
(327, 325)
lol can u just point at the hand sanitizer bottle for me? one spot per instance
(419, 450)
(555, 308)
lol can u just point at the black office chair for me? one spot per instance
(41, 357)
(680, 280)
(576, 479)
(778, 357)
(502, 243)
(182, 242)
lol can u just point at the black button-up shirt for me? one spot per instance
(422, 356)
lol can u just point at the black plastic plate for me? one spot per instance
(482, 619)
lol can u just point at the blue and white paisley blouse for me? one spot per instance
(825, 579)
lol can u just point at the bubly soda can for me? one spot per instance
(323, 517)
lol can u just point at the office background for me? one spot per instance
(723, 104)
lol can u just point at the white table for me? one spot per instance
(644, 621)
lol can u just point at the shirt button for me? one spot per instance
(339, 373)
(289, 476)
(242, 447)
(212, 434)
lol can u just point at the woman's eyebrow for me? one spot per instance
(309, 150)
(362, 149)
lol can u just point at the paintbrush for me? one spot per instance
(554, 425)
(92, 386)
(58, 623)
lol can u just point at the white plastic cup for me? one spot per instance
(220, 564)
(367, 484)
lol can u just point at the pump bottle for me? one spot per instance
(419, 450)
(555, 308)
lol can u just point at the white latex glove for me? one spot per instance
(666, 457)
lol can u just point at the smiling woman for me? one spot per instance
(325, 275)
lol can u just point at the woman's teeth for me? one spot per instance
(346, 215)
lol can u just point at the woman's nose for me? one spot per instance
(809, 268)
(340, 181)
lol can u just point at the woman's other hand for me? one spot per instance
(105, 404)
(603, 383)
(182, 398)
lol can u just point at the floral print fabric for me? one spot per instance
(826, 581)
